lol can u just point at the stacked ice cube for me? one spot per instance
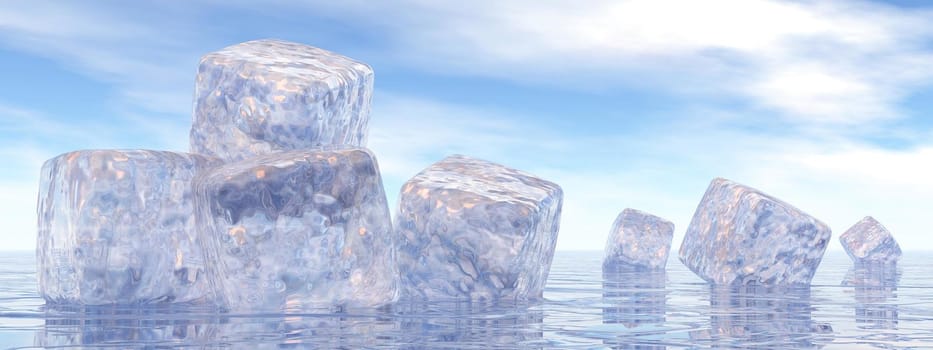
(280, 207)
(292, 209)
(116, 227)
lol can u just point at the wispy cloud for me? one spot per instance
(837, 62)
(145, 53)
(784, 96)
(666, 173)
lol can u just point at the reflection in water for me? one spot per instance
(875, 294)
(106, 326)
(748, 317)
(583, 309)
(325, 331)
(164, 328)
(406, 326)
(457, 325)
(636, 299)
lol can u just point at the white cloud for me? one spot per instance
(812, 62)
(840, 65)
(836, 179)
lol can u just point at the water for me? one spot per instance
(584, 308)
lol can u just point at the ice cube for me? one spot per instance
(263, 96)
(471, 229)
(117, 227)
(640, 239)
(868, 241)
(740, 235)
(298, 230)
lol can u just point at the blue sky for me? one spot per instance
(623, 103)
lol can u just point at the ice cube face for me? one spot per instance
(298, 230)
(639, 239)
(869, 242)
(471, 229)
(741, 236)
(268, 95)
(117, 227)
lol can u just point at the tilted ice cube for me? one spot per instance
(868, 241)
(639, 239)
(263, 96)
(471, 229)
(117, 227)
(740, 235)
(298, 230)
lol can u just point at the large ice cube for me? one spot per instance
(639, 239)
(740, 235)
(868, 241)
(298, 230)
(471, 229)
(263, 96)
(116, 227)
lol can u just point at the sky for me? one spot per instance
(625, 104)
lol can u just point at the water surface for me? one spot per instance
(584, 308)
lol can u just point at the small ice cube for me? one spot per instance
(639, 239)
(869, 242)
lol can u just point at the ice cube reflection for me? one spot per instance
(748, 317)
(875, 286)
(635, 298)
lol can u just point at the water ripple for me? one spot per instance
(583, 308)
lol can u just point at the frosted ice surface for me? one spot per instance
(263, 96)
(471, 229)
(639, 239)
(298, 230)
(117, 227)
(740, 235)
(869, 241)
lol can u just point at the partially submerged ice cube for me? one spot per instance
(638, 239)
(117, 227)
(298, 230)
(740, 236)
(869, 242)
(471, 229)
(264, 96)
